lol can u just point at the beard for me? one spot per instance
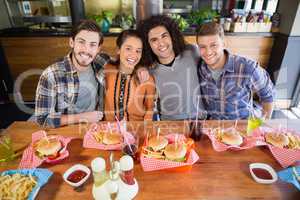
(81, 61)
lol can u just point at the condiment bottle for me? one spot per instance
(126, 167)
(99, 171)
(112, 185)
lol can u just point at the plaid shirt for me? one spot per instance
(230, 96)
(58, 87)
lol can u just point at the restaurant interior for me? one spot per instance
(35, 33)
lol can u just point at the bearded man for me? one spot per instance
(71, 90)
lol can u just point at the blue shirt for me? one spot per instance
(229, 97)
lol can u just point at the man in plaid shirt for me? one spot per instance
(227, 81)
(71, 90)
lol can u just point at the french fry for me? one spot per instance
(16, 186)
(294, 141)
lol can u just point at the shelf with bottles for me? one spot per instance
(22, 13)
(251, 21)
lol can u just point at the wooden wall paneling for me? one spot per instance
(254, 47)
(24, 53)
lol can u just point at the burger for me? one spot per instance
(277, 139)
(111, 138)
(232, 138)
(157, 143)
(48, 147)
(175, 152)
(155, 147)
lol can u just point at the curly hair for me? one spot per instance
(145, 27)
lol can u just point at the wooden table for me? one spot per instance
(217, 175)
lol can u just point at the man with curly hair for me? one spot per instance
(174, 66)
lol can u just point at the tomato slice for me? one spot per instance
(54, 156)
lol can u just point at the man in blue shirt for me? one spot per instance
(227, 81)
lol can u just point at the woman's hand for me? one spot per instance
(143, 74)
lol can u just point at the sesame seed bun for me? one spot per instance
(232, 138)
(175, 153)
(157, 143)
(112, 138)
(48, 146)
(277, 139)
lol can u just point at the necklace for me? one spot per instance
(119, 105)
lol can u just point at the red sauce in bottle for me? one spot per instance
(76, 176)
(128, 177)
(262, 173)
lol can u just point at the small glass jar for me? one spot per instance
(112, 185)
(99, 171)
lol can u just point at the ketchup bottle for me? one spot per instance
(126, 167)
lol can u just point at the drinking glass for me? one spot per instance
(132, 148)
(6, 150)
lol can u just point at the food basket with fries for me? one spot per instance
(106, 136)
(224, 139)
(284, 144)
(169, 152)
(23, 184)
(43, 148)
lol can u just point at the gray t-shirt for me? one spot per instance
(88, 87)
(178, 86)
(215, 73)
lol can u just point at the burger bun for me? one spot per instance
(232, 138)
(111, 138)
(277, 139)
(175, 153)
(48, 146)
(157, 143)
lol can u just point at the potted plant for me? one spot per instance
(201, 16)
(125, 21)
(104, 20)
(182, 23)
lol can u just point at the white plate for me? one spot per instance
(74, 168)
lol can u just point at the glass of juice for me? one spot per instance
(253, 123)
(6, 150)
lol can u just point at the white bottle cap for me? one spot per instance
(126, 163)
(98, 164)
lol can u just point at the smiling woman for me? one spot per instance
(127, 98)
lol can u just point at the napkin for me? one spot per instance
(287, 175)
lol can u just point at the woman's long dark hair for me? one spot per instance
(120, 41)
(146, 25)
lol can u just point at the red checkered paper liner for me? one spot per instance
(153, 164)
(256, 139)
(89, 140)
(285, 157)
(31, 160)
